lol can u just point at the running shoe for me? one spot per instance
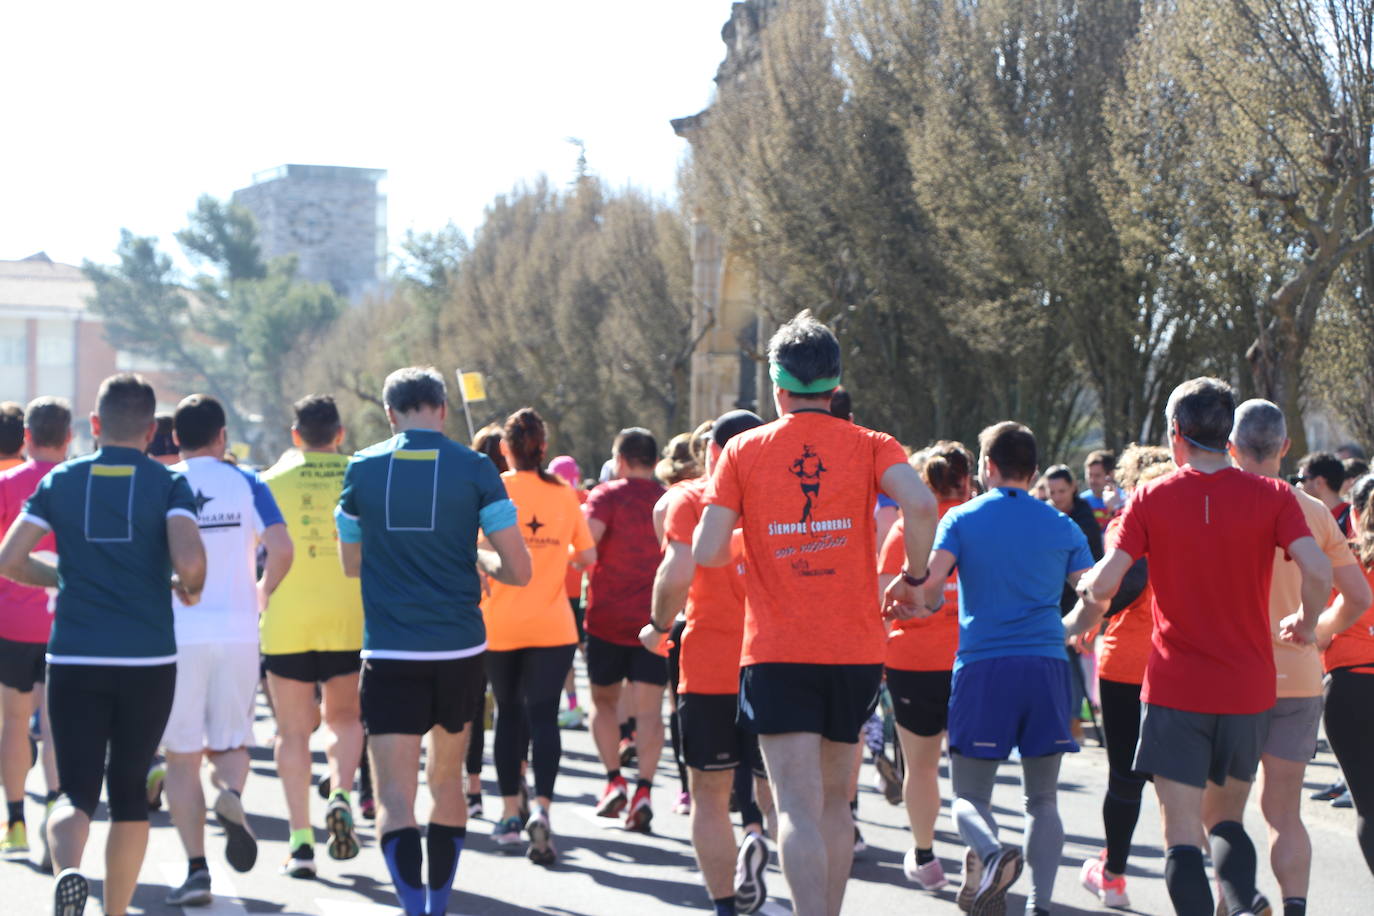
(683, 804)
(627, 751)
(301, 862)
(931, 876)
(524, 803)
(474, 805)
(1111, 891)
(44, 852)
(541, 850)
(367, 806)
(614, 798)
(338, 820)
(640, 813)
(15, 845)
(572, 718)
(890, 781)
(859, 844)
(69, 893)
(1335, 790)
(874, 738)
(157, 774)
(194, 891)
(506, 833)
(973, 875)
(999, 875)
(1343, 800)
(1260, 907)
(240, 845)
(750, 891)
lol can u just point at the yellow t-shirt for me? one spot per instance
(538, 614)
(316, 608)
(1300, 667)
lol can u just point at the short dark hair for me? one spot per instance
(125, 404)
(1010, 446)
(637, 446)
(807, 349)
(1103, 457)
(11, 428)
(317, 420)
(1205, 410)
(163, 443)
(841, 403)
(199, 418)
(1060, 472)
(1324, 465)
(1355, 468)
(48, 420)
(409, 389)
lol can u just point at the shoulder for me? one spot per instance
(286, 465)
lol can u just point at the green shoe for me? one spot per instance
(15, 845)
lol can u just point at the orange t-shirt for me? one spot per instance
(1125, 644)
(538, 614)
(7, 463)
(804, 487)
(1300, 667)
(574, 574)
(926, 643)
(715, 604)
(1355, 647)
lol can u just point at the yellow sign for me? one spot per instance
(474, 387)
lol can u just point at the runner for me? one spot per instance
(311, 634)
(1103, 495)
(408, 518)
(1210, 531)
(531, 635)
(1321, 475)
(1349, 663)
(1122, 652)
(487, 442)
(715, 748)
(217, 645)
(620, 515)
(804, 488)
(919, 667)
(1258, 445)
(11, 435)
(25, 621)
(1011, 680)
(126, 531)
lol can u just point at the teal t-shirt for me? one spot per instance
(416, 503)
(109, 514)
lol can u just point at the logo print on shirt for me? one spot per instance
(808, 470)
(201, 500)
(534, 524)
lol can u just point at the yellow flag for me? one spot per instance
(474, 387)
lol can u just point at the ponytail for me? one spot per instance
(946, 468)
(1362, 498)
(526, 437)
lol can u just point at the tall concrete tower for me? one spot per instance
(331, 217)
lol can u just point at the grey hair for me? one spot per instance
(1204, 409)
(409, 389)
(806, 348)
(1260, 429)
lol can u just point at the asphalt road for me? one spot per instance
(605, 870)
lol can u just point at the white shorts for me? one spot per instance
(216, 688)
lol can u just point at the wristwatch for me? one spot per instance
(657, 629)
(912, 580)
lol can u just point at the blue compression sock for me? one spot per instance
(401, 849)
(445, 846)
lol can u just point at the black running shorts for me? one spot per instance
(609, 663)
(411, 696)
(21, 664)
(711, 736)
(312, 667)
(833, 701)
(920, 700)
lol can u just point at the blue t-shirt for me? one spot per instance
(416, 503)
(1013, 554)
(109, 514)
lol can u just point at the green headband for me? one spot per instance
(789, 382)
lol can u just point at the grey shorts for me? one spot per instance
(1194, 748)
(1293, 728)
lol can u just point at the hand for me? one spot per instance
(1083, 642)
(1084, 588)
(903, 601)
(1295, 630)
(184, 595)
(653, 640)
(1112, 496)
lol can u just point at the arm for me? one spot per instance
(584, 560)
(1086, 614)
(351, 558)
(904, 601)
(15, 561)
(1301, 627)
(1132, 587)
(671, 584)
(1349, 606)
(188, 558)
(1102, 581)
(280, 553)
(509, 561)
(711, 541)
(598, 529)
(920, 513)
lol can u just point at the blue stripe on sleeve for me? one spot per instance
(350, 532)
(264, 503)
(497, 516)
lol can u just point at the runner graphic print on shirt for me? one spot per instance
(808, 469)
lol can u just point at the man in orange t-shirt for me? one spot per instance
(803, 489)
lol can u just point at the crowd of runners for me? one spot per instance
(784, 583)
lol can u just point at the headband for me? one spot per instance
(789, 382)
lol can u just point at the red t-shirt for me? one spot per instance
(715, 604)
(926, 643)
(1210, 539)
(1125, 644)
(1353, 648)
(622, 582)
(24, 613)
(804, 486)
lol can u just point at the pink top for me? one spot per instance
(24, 612)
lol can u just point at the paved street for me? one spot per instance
(605, 870)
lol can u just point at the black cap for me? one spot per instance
(730, 425)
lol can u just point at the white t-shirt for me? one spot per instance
(234, 507)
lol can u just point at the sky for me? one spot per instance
(120, 115)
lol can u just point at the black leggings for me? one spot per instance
(1350, 729)
(527, 684)
(1121, 804)
(98, 707)
(674, 675)
(477, 741)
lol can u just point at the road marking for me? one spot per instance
(226, 900)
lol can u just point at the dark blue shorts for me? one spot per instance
(1019, 701)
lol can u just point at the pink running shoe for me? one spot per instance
(1111, 891)
(931, 876)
